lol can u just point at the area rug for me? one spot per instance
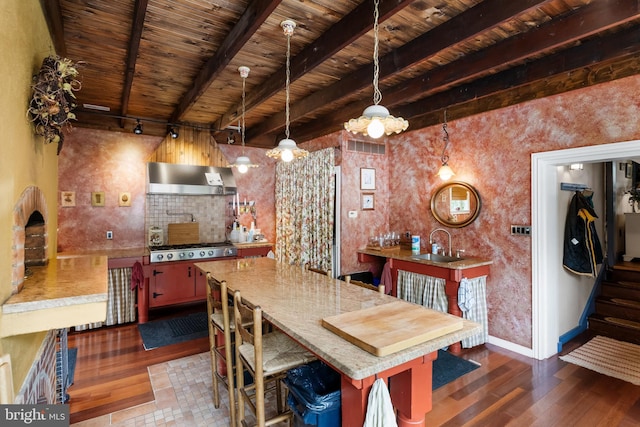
(610, 357)
(448, 367)
(159, 333)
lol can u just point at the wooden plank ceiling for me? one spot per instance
(175, 62)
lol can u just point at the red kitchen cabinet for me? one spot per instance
(201, 284)
(173, 283)
(252, 252)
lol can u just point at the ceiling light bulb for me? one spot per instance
(287, 155)
(375, 129)
(243, 168)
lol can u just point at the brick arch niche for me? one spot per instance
(31, 205)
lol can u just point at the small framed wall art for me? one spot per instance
(97, 198)
(124, 199)
(367, 179)
(67, 199)
(368, 201)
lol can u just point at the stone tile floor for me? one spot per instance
(183, 398)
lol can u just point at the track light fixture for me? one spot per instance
(173, 132)
(138, 129)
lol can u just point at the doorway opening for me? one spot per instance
(546, 259)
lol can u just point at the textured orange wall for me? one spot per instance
(113, 162)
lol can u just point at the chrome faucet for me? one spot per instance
(440, 229)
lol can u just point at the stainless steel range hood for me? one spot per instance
(171, 178)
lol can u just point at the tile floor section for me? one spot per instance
(183, 398)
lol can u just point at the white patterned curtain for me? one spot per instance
(121, 300)
(430, 292)
(305, 193)
(424, 290)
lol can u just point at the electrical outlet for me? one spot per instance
(109, 235)
(521, 230)
(353, 214)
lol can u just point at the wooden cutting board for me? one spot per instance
(385, 329)
(183, 233)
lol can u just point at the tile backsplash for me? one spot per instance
(208, 211)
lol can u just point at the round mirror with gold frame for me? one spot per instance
(455, 204)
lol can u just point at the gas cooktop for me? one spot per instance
(190, 246)
(192, 251)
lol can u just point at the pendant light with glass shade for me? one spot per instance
(287, 149)
(445, 172)
(242, 162)
(376, 120)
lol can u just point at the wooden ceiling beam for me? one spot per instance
(592, 19)
(584, 59)
(53, 16)
(485, 15)
(253, 17)
(137, 25)
(344, 32)
(611, 57)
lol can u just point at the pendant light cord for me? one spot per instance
(288, 78)
(243, 99)
(377, 95)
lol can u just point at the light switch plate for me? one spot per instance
(353, 214)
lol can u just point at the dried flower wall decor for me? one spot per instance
(53, 101)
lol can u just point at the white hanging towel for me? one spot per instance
(380, 412)
(466, 299)
(271, 255)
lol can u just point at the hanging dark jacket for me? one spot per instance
(582, 250)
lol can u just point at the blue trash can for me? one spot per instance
(314, 395)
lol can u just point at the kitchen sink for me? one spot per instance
(435, 258)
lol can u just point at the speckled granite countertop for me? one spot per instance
(111, 253)
(407, 255)
(296, 301)
(65, 281)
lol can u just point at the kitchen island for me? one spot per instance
(295, 301)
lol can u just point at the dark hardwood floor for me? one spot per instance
(111, 368)
(508, 389)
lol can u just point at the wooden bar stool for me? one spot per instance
(221, 324)
(379, 289)
(308, 267)
(267, 357)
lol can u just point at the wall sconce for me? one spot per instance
(445, 172)
(576, 167)
(138, 129)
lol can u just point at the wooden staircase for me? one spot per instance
(617, 308)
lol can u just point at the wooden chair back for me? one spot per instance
(379, 289)
(309, 267)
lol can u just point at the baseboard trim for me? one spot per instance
(507, 345)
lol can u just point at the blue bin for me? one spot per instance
(314, 395)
